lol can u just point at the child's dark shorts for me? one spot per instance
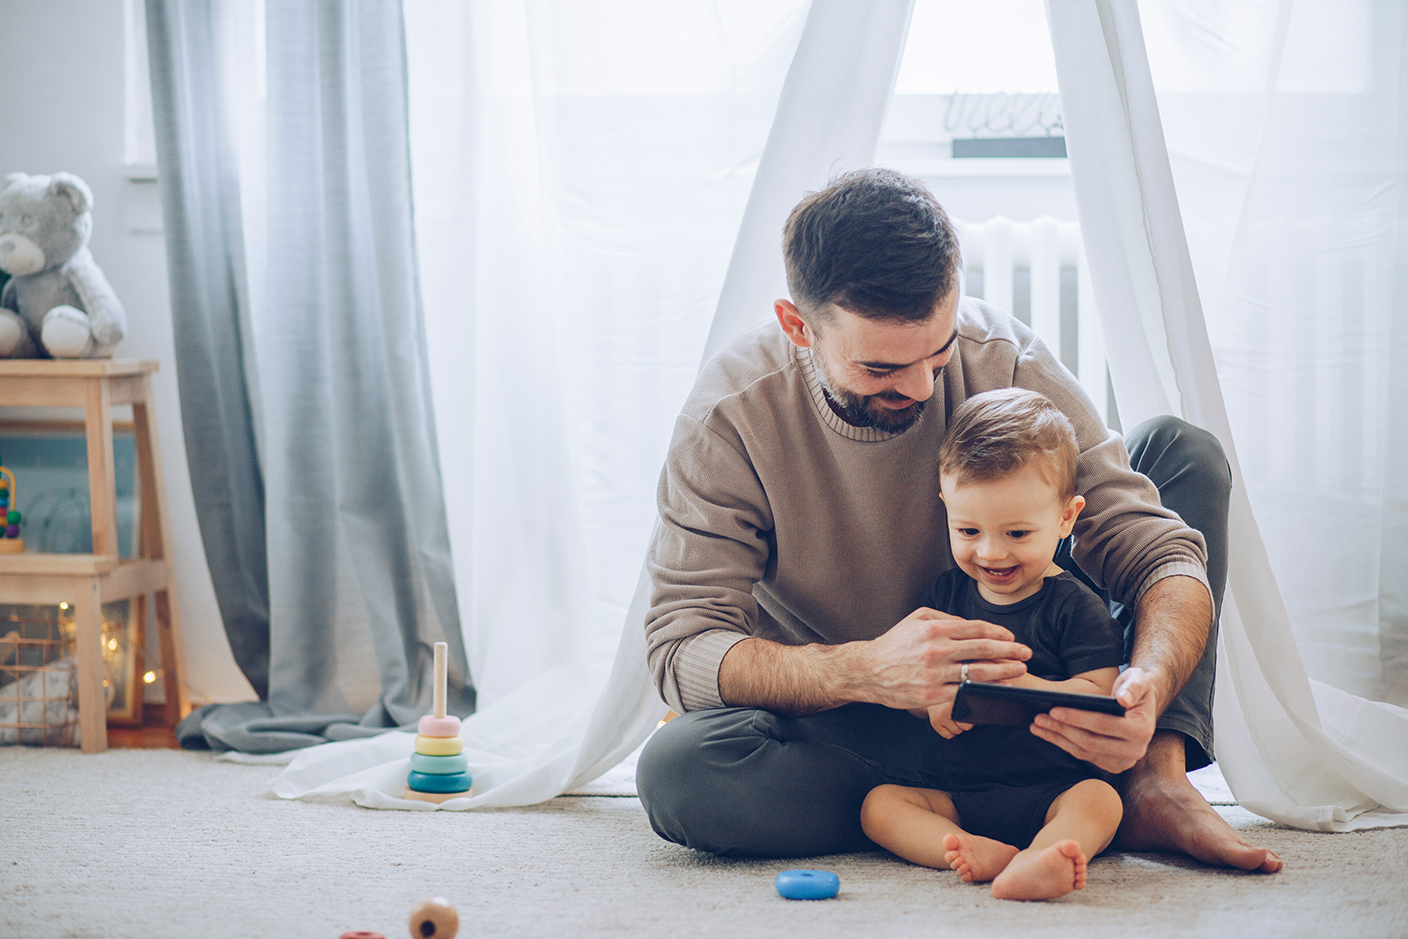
(1010, 814)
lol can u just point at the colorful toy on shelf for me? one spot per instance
(10, 540)
(439, 768)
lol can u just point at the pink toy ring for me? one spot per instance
(432, 726)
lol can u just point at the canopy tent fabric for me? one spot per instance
(1292, 749)
(829, 110)
(552, 241)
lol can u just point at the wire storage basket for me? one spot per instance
(38, 685)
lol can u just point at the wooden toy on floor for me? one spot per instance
(439, 768)
(434, 919)
(10, 540)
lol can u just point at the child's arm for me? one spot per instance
(1095, 681)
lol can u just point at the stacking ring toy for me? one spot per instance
(808, 885)
(439, 746)
(439, 770)
(439, 765)
(432, 726)
(425, 782)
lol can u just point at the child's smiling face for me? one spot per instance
(1004, 532)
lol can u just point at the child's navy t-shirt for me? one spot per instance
(1070, 631)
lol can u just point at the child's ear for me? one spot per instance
(1070, 514)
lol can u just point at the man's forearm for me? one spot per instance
(1171, 630)
(788, 679)
(917, 663)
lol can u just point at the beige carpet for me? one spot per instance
(155, 844)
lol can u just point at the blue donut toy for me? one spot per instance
(808, 885)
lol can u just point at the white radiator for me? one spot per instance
(1001, 250)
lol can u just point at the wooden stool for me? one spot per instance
(89, 580)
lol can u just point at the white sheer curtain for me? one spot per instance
(1287, 124)
(581, 176)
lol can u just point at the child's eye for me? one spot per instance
(1018, 534)
(967, 532)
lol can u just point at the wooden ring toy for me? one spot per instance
(439, 746)
(436, 797)
(432, 726)
(439, 765)
(428, 782)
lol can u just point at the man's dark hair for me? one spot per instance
(874, 242)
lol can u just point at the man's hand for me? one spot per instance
(1112, 743)
(917, 663)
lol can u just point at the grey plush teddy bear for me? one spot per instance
(57, 301)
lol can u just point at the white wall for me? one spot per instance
(62, 87)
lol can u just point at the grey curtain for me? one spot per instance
(307, 414)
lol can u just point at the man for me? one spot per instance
(801, 525)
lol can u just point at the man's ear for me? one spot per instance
(1072, 512)
(796, 328)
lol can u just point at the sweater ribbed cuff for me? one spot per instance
(697, 664)
(1176, 569)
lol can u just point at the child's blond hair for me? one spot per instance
(992, 435)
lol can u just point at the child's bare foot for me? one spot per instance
(977, 859)
(1052, 872)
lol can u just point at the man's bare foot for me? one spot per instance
(1054, 871)
(977, 859)
(1164, 812)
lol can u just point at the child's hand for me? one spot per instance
(941, 720)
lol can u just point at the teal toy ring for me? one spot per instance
(449, 782)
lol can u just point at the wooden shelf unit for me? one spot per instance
(87, 581)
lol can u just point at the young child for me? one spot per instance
(1019, 812)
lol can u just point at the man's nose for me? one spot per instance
(917, 382)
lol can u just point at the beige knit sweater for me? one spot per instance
(780, 520)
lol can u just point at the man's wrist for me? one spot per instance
(849, 670)
(1171, 630)
(1159, 682)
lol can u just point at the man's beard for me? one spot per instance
(866, 410)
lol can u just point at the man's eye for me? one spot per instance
(879, 372)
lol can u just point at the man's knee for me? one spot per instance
(726, 782)
(683, 780)
(1169, 450)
